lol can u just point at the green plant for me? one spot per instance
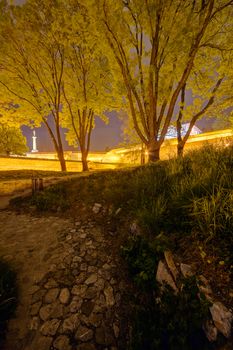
(142, 256)
(8, 296)
(173, 322)
(52, 198)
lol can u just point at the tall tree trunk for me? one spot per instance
(61, 158)
(57, 144)
(180, 149)
(60, 146)
(153, 148)
(84, 160)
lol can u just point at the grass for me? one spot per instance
(28, 174)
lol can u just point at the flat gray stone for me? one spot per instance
(45, 312)
(64, 296)
(222, 318)
(38, 295)
(186, 270)
(50, 327)
(70, 324)
(35, 308)
(164, 277)
(51, 295)
(171, 265)
(79, 290)
(51, 283)
(91, 279)
(62, 342)
(84, 334)
(86, 346)
(90, 293)
(87, 307)
(108, 292)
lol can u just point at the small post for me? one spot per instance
(34, 185)
(41, 185)
(37, 185)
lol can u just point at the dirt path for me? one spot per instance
(71, 292)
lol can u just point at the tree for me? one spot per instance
(12, 141)
(32, 65)
(156, 44)
(193, 113)
(88, 86)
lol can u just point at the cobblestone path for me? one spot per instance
(71, 292)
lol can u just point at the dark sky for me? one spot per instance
(103, 135)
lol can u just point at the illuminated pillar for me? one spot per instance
(34, 137)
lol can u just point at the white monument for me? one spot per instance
(34, 137)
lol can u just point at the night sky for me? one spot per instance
(103, 135)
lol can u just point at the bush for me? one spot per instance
(173, 322)
(8, 296)
(142, 256)
(52, 198)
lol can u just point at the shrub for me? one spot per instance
(174, 322)
(142, 256)
(52, 198)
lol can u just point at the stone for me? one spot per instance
(54, 310)
(57, 310)
(116, 330)
(34, 324)
(87, 307)
(70, 324)
(118, 211)
(90, 293)
(84, 334)
(51, 295)
(164, 277)
(222, 318)
(50, 327)
(43, 343)
(62, 343)
(210, 330)
(45, 312)
(108, 292)
(171, 265)
(64, 296)
(33, 289)
(86, 346)
(186, 270)
(94, 319)
(75, 306)
(79, 290)
(204, 287)
(51, 284)
(77, 259)
(91, 279)
(96, 208)
(35, 308)
(38, 295)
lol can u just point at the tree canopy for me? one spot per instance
(12, 141)
(62, 63)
